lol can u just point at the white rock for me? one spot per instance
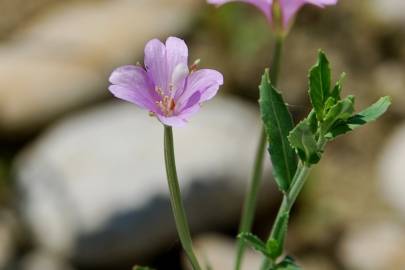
(40, 260)
(219, 252)
(97, 180)
(374, 246)
(389, 11)
(62, 59)
(392, 171)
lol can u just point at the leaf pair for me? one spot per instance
(270, 250)
(334, 114)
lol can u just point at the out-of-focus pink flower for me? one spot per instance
(288, 8)
(166, 87)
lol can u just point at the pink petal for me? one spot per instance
(263, 5)
(193, 100)
(131, 83)
(174, 121)
(290, 7)
(322, 3)
(182, 119)
(176, 54)
(156, 63)
(204, 81)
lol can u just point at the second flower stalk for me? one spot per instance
(249, 206)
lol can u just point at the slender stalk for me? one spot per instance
(250, 202)
(276, 62)
(175, 199)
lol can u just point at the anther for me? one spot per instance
(194, 66)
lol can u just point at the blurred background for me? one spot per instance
(82, 184)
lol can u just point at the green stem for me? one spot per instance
(289, 199)
(250, 202)
(276, 62)
(286, 205)
(175, 199)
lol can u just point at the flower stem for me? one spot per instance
(250, 202)
(175, 199)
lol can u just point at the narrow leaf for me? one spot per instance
(371, 113)
(278, 123)
(337, 90)
(303, 140)
(255, 242)
(330, 102)
(319, 84)
(313, 122)
(368, 115)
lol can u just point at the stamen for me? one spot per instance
(159, 91)
(194, 66)
(172, 104)
(167, 103)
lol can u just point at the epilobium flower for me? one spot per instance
(167, 87)
(283, 9)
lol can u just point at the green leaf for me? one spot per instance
(313, 122)
(255, 242)
(274, 248)
(342, 110)
(278, 123)
(330, 102)
(337, 90)
(303, 140)
(319, 84)
(287, 264)
(276, 244)
(368, 115)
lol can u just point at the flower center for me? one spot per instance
(167, 103)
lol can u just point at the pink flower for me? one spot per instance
(167, 87)
(288, 8)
